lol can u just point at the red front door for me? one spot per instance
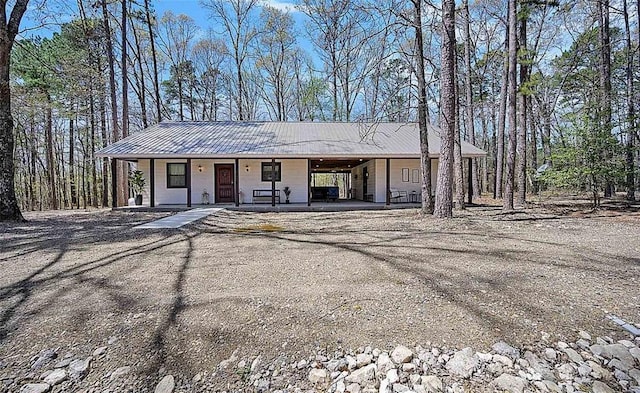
(224, 183)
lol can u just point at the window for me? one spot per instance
(266, 171)
(176, 175)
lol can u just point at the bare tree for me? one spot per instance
(341, 31)
(176, 34)
(235, 16)
(208, 55)
(274, 60)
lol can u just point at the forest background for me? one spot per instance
(548, 89)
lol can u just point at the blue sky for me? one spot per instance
(41, 20)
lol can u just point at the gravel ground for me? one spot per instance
(273, 284)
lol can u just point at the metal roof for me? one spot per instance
(172, 139)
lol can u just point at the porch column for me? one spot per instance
(470, 181)
(308, 182)
(152, 182)
(188, 174)
(114, 183)
(237, 181)
(388, 169)
(273, 181)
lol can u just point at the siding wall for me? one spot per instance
(294, 175)
(357, 184)
(411, 164)
(380, 181)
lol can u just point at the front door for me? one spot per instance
(224, 183)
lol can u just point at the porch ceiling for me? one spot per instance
(336, 165)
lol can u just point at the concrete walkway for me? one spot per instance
(180, 219)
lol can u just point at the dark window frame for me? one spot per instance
(278, 172)
(169, 175)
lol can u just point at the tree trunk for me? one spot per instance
(546, 134)
(486, 145)
(469, 97)
(51, 162)
(631, 110)
(92, 146)
(532, 144)
(33, 171)
(142, 95)
(105, 139)
(507, 201)
(605, 79)
(72, 175)
(9, 209)
(120, 195)
(425, 161)
(123, 182)
(444, 197)
(501, 125)
(458, 164)
(522, 115)
(154, 57)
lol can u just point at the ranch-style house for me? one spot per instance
(251, 162)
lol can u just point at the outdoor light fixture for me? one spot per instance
(361, 160)
(199, 168)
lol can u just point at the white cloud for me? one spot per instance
(280, 5)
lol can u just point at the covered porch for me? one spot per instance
(352, 183)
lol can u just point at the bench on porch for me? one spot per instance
(396, 196)
(265, 195)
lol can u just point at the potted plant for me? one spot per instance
(287, 192)
(137, 181)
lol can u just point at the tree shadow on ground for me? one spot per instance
(63, 238)
(418, 256)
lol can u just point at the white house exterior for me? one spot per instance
(232, 161)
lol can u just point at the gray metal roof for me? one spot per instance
(171, 139)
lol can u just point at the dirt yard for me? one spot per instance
(289, 283)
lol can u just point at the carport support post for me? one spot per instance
(237, 181)
(152, 182)
(470, 181)
(273, 181)
(114, 183)
(188, 182)
(308, 182)
(388, 169)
